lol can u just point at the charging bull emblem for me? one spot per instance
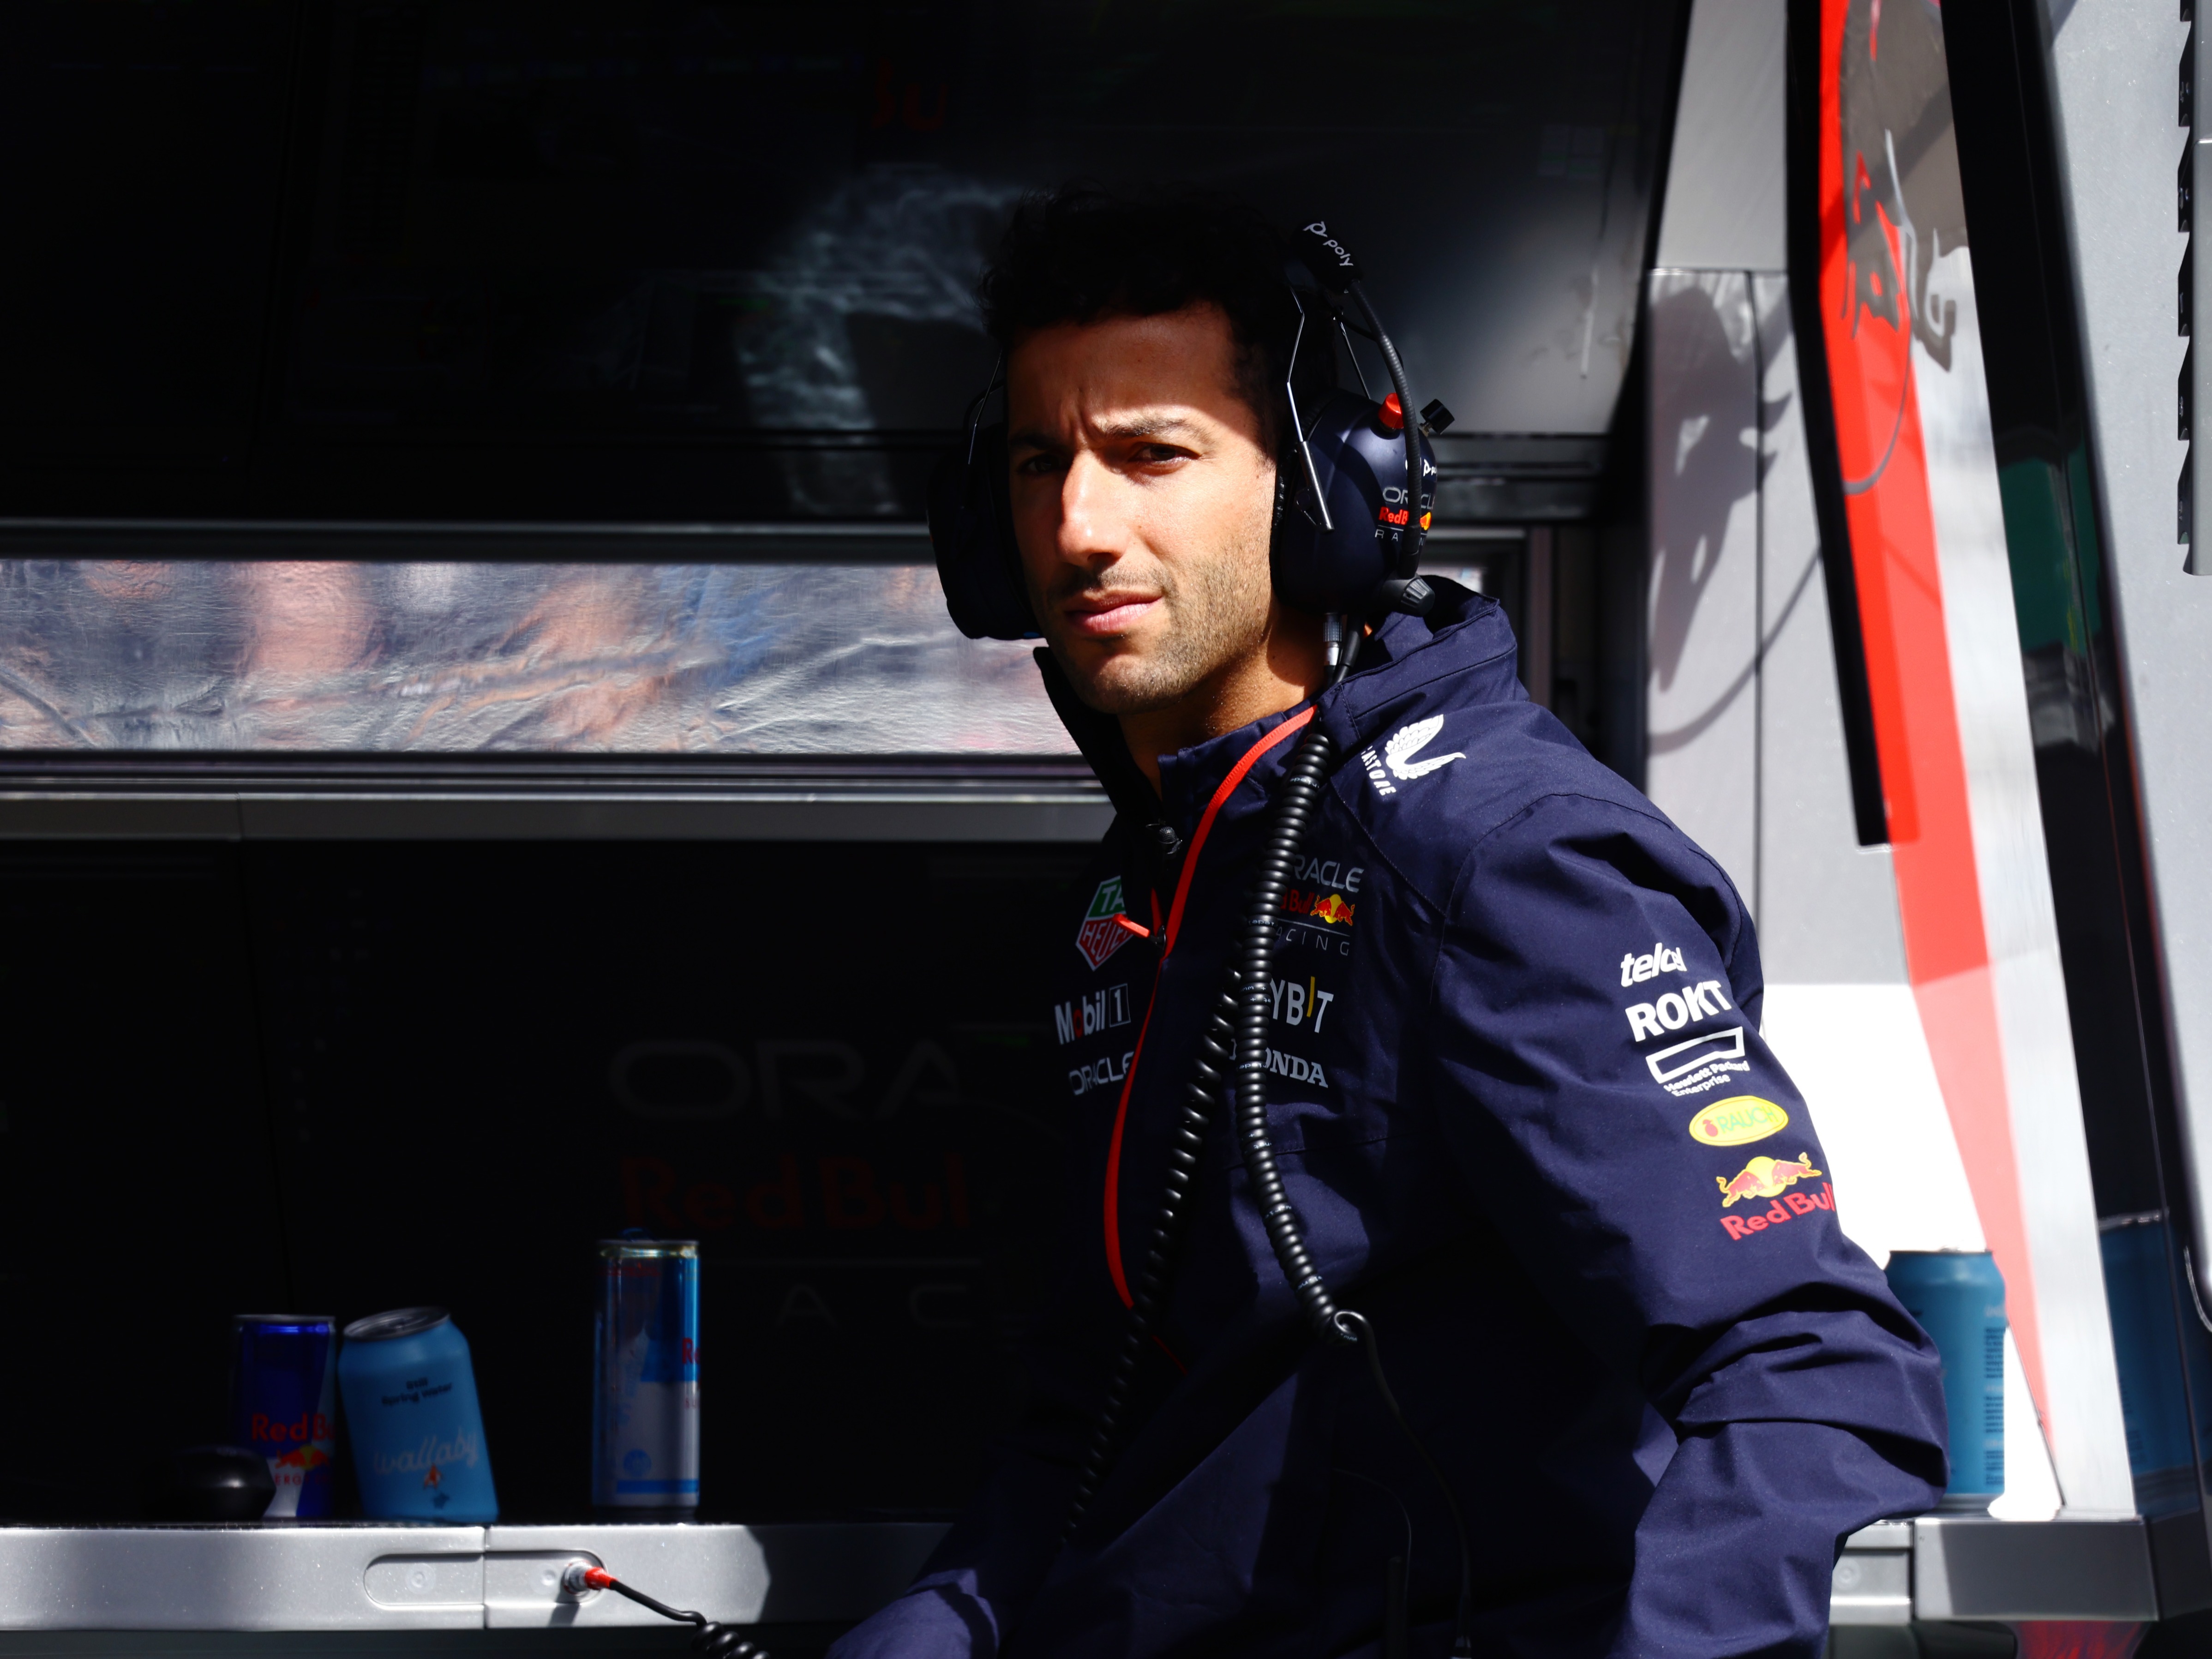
(1903, 208)
(1322, 907)
(1765, 1177)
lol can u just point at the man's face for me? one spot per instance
(1143, 496)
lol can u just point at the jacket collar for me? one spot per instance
(1464, 638)
(1099, 736)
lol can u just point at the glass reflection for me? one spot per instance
(465, 658)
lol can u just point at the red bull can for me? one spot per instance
(283, 1404)
(1957, 1297)
(645, 1377)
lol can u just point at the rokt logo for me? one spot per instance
(1673, 1010)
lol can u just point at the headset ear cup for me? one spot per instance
(971, 533)
(1360, 463)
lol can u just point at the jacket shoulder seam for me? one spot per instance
(1651, 815)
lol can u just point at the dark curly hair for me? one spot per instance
(1083, 252)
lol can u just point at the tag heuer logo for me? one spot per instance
(1101, 935)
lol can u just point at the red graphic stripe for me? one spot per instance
(1236, 775)
(1897, 570)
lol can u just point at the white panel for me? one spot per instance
(1724, 177)
(1827, 906)
(2117, 63)
(1701, 701)
(2031, 1488)
(2050, 1150)
(1858, 1055)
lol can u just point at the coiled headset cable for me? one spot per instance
(1305, 776)
(1233, 1048)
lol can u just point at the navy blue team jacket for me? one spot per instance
(1525, 1114)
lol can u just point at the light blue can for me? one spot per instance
(1957, 1297)
(410, 1405)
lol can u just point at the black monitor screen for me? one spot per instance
(644, 258)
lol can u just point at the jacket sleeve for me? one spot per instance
(973, 1588)
(1608, 1096)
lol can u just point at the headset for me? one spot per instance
(1354, 491)
(1349, 523)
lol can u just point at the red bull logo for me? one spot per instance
(310, 1426)
(1400, 516)
(1328, 908)
(1765, 1177)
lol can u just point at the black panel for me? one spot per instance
(140, 1206)
(142, 234)
(1868, 811)
(626, 260)
(823, 1062)
(820, 1061)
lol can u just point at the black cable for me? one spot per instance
(1397, 1571)
(1364, 1333)
(715, 1641)
(1199, 1095)
(1304, 778)
(1242, 1012)
(1296, 798)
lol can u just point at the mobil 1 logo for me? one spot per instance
(1091, 1014)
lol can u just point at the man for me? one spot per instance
(1520, 1098)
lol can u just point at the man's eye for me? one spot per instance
(1157, 454)
(1039, 466)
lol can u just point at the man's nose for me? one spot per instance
(1094, 522)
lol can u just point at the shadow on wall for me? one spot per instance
(1708, 420)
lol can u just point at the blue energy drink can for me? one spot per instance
(1957, 1297)
(283, 1404)
(410, 1405)
(645, 1375)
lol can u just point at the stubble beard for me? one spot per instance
(1217, 615)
